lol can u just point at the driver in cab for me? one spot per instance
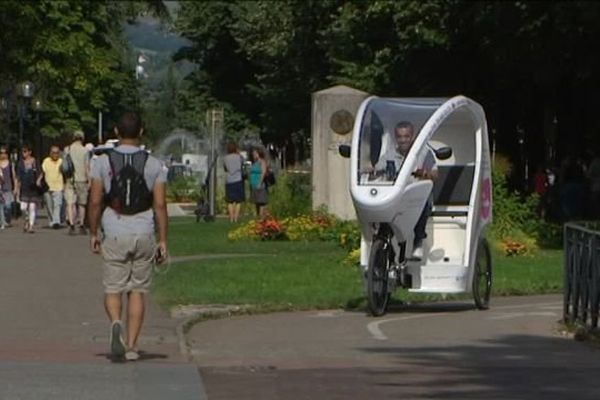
(404, 133)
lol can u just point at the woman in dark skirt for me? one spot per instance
(29, 177)
(235, 195)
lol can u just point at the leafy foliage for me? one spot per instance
(75, 53)
(517, 228)
(264, 58)
(183, 189)
(291, 196)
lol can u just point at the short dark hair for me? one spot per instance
(405, 125)
(130, 125)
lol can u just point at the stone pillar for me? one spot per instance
(333, 113)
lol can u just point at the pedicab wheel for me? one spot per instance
(482, 276)
(377, 277)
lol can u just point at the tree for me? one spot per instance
(530, 64)
(75, 53)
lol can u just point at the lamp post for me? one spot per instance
(25, 92)
(215, 119)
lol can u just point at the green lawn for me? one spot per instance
(301, 275)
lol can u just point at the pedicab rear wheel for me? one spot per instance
(482, 276)
(377, 276)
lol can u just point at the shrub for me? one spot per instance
(517, 228)
(291, 196)
(353, 258)
(247, 231)
(183, 189)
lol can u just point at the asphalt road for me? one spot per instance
(436, 351)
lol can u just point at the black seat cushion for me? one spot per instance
(453, 185)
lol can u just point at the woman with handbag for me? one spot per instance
(29, 187)
(235, 195)
(260, 196)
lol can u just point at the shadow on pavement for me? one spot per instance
(144, 356)
(516, 367)
(397, 306)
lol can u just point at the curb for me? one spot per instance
(193, 314)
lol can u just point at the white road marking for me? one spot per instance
(374, 327)
(377, 333)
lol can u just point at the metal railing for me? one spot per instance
(582, 274)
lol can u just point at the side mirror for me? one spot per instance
(443, 153)
(345, 150)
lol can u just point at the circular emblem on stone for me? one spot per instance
(373, 192)
(341, 122)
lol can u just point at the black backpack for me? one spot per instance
(129, 193)
(67, 168)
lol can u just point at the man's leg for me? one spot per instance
(112, 305)
(419, 230)
(135, 318)
(48, 200)
(81, 218)
(57, 199)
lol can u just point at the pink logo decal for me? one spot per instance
(486, 198)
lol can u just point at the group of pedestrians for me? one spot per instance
(259, 177)
(126, 187)
(60, 182)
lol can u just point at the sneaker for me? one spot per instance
(418, 252)
(117, 344)
(82, 230)
(71, 230)
(55, 226)
(2, 227)
(132, 355)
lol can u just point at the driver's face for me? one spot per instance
(405, 139)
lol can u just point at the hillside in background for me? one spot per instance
(148, 35)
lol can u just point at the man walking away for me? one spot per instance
(51, 166)
(134, 183)
(77, 184)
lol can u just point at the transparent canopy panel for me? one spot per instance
(379, 162)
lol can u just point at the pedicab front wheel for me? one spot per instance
(377, 277)
(482, 276)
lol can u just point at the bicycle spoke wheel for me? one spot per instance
(377, 277)
(482, 277)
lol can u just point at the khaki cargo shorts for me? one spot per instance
(128, 262)
(77, 192)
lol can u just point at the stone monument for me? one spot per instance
(333, 113)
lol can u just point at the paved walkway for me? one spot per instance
(54, 336)
(437, 351)
(53, 344)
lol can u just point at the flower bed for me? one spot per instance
(309, 227)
